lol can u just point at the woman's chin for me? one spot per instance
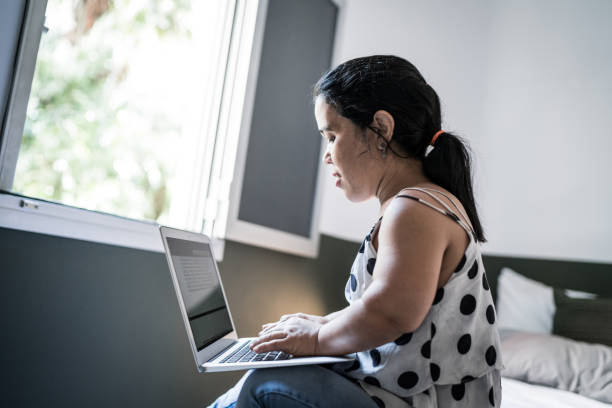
(353, 197)
(349, 193)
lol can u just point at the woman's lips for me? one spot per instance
(338, 182)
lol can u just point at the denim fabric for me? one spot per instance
(300, 387)
(228, 400)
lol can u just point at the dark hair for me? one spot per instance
(360, 87)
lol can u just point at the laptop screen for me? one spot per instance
(201, 291)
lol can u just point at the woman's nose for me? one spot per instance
(327, 157)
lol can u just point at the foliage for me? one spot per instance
(90, 138)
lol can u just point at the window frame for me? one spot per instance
(39, 215)
(20, 87)
(219, 211)
(250, 233)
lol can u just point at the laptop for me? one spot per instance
(206, 314)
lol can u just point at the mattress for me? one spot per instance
(518, 394)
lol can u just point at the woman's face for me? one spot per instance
(348, 152)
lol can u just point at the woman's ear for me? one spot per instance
(384, 123)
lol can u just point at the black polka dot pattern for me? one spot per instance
(490, 314)
(370, 266)
(378, 402)
(375, 355)
(434, 370)
(468, 304)
(426, 349)
(355, 366)
(408, 380)
(455, 354)
(461, 264)
(491, 355)
(473, 271)
(458, 391)
(439, 296)
(403, 339)
(485, 282)
(464, 344)
(467, 379)
(372, 381)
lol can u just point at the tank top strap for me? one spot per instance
(465, 217)
(446, 211)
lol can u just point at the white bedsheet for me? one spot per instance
(517, 394)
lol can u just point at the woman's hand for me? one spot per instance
(292, 334)
(284, 318)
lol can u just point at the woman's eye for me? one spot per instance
(331, 139)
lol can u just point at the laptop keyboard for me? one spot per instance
(244, 354)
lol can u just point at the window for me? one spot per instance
(124, 111)
(146, 109)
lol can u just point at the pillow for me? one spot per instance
(524, 304)
(527, 305)
(584, 319)
(557, 362)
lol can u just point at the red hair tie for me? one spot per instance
(433, 139)
(431, 144)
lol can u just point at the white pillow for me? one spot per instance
(558, 362)
(527, 305)
(524, 304)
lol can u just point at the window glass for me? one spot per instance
(124, 104)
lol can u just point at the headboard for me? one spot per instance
(586, 276)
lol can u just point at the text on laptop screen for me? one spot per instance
(201, 290)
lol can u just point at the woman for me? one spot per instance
(421, 317)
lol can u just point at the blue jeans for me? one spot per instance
(310, 386)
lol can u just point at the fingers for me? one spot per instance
(267, 326)
(270, 328)
(278, 334)
(273, 345)
(284, 318)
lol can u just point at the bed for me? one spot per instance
(555, 320)
(519, 394)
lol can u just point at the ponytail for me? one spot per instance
(449, 165)
(359, 87)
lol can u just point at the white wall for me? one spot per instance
(528, 83)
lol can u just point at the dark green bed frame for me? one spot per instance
(578, 275)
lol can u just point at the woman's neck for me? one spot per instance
(407, 173)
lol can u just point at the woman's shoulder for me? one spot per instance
(434, 195)
(411, 218)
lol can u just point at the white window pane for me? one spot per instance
(124, 104)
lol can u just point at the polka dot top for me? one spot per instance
(457, 343)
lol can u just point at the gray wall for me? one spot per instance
(528, 84)
(103, 328)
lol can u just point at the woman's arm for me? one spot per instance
(412, 241)
(328, 318)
